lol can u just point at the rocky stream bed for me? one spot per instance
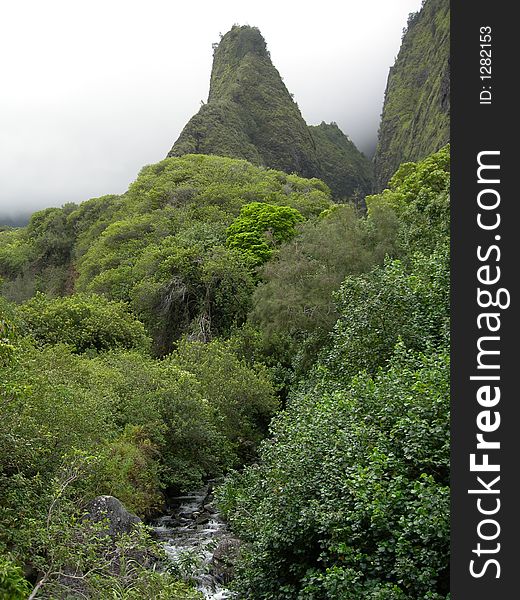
(198, 543)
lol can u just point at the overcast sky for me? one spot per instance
(92, 90)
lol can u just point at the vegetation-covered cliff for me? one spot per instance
(250, 114)
(416, 112)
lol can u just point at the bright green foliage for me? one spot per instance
(259, 227)
(296, 296)
(160, 247)
(250, 114)
(115, 251)
(50, 407)
(350, 496)
(118, 423)
(419, 194)
(129, 469)
(199, 182)
(13, 585)
(348, 315)
(83, 322)
(8, 333)
(416, 112)
(167, 255)
(15, 253)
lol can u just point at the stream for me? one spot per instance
(196, 541)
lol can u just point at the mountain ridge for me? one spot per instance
(415, 120)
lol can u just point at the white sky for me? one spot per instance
(92, 90)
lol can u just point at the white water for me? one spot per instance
(190, 534)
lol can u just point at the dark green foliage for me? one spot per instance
(296, 295)
(350, 499)
(348, 314)
(416, 111)
(51, 235)
(385, 305)
(250, 114)
(162, 403)
(39, 257)
(162, 247)
(348, 173)
(197, 291)
(242, 397)
(117, 423)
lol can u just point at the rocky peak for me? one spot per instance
(250, 114)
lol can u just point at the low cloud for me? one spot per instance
(93, 91)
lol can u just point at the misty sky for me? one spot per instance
(92, 90)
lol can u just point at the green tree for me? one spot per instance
(242, 398)
(260, 227)
(419, 194)
(389, 303)
(295, 296)
(13, 585)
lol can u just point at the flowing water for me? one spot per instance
(192, 533)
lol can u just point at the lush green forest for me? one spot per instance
(219, 316)
(245, 314)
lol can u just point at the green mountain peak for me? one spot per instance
(250, 114)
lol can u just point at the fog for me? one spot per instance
(94, 90)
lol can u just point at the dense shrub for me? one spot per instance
(293, 304)
(13, 585)
(389, 303)
(419, 194)
(350, 499)
(346, 321)
(241, 397)
(84, 323)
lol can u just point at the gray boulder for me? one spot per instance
(109, 508)
(224, 558)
